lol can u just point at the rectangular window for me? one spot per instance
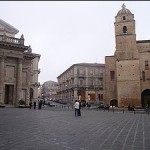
(146, 65)
(143, 76)
(112, 75)
(81, 82)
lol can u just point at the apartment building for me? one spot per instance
(83, 81)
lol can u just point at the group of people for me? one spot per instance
(34, 104)
(77, 107)
(131, 108)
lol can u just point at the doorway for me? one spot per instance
(9, 93)
(114, 102)
(145, 97)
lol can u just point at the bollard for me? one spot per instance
(113, 109)
(123, 111)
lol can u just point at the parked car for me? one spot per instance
(49, 103)
(103, 106)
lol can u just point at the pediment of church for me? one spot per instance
(7, 28)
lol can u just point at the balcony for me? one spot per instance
(81, 76)
(37, 71)
(8, 39)
(36, 84)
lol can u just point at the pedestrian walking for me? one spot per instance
(76, 108)
(30, 104)
(34, 103)
(80, 108)
(40, 104)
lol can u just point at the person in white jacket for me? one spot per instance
(76, 107)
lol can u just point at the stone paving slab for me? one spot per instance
(53, 129)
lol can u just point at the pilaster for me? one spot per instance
(2, 70)
(28, 86)
(19, 80)
(96, 96)
(75, 94)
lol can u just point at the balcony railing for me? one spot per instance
(8, 39)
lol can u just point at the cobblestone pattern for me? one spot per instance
(53, 129)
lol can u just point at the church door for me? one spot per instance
(9, 92)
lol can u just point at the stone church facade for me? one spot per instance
(18, 68)
(127, 72)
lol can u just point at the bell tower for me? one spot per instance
(127, 61)
(125, 35)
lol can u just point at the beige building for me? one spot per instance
(49, 90)
(127, 72)
(82, 81)
(35, 71)
(18, 68)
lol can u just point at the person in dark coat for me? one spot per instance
(40, 104)
(34, 104)
(79, 113)
(30, 104)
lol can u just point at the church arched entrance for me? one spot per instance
(114, 102)
(145, 97)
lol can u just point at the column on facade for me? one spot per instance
(75, 94)
(28, 86)
(2, 67)
(19, 81)
(96, 96)
(69, 96)
(86, 95)
(86, 82)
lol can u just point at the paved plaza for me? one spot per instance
(59, 129)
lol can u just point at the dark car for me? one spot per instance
(103, 106)
(83, 103)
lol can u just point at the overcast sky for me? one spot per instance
(69, 32)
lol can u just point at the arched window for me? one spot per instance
(124, 17)
(146, 65)
(124, 29)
